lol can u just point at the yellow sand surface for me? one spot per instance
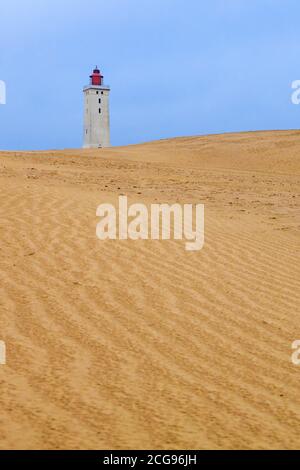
(123, 344)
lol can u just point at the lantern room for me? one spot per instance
(96, 77)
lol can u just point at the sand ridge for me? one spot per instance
(140, 344)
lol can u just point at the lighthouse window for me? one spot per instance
(99, 110)
(97, 92)
(99, 101)
(101, 92)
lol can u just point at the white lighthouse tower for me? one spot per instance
(96, 112)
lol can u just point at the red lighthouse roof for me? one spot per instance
(96, 77)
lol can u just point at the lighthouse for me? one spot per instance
(96, 112)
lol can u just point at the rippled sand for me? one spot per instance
(141, 344)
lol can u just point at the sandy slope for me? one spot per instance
(129, 344)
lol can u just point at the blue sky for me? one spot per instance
(175, 67)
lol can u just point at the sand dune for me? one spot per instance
(140, 344)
